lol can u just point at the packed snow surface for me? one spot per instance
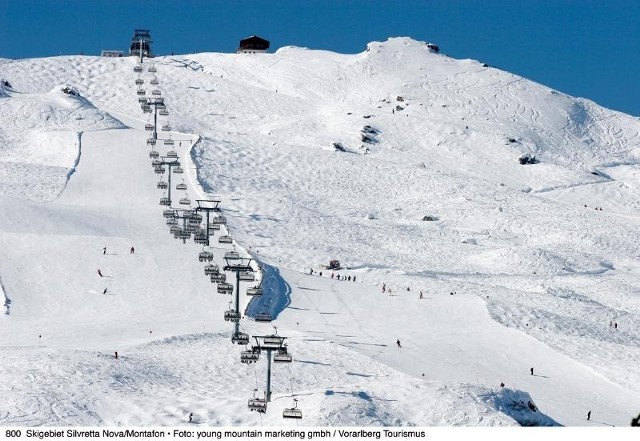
(461, 269)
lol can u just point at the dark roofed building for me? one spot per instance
(252, 45)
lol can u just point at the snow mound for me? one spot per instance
(518, 405)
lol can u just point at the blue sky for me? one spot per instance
(587, 48)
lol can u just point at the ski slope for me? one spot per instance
(539, 275)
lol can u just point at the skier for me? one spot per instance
(311, 271)
(104, 250)
(116, 355)
(384, 287)
(105, 291)
(398, 343)
(191, 417)
(354, 278)
(615, 325)
(531, 371)
(589, 416)
(100, 273)
(421, 294)
(132, 250)
(501, 384)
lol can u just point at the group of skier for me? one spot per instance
(132, 250)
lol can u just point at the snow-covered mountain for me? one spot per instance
(499, 215)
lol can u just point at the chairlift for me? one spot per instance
(200, 238)
(164, 112)
(156, 92)
(282, 356)
(139, 81)
(171, 153)
(292, 412)
(232, 316)
(153, 154)
(232, 255)
(224, 288)
(159, 170)
(169, 214)
(263, 317)
(183, 234)
(211, 269)
(218, 278)
(168, 142)
(162, 185)
(178, 170)
(137, 68)
(240, 338)
(141, 92)
(249, 356)
(152, 69)
(258, 404)
(154, 81)
(166, 128)
(272, 342)
(165, 201)
(205, 256)
(185, 201)
(246, 276)
(254, 291)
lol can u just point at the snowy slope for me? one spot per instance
(539, 273)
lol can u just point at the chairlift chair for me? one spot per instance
(220, 220)
(272, 342)
(154, 81)
(225, 239)
(178, 170)
(233, 255)
(139, 81)
(254, 291)
(162, 185)
(172, 154)
(156, 163)
(195, 216)
(169, 214)
(163, 112)
(174, 229)
(182, 186)
(141, 92)
(148, 127)
(200, 238)
(292, 412)
(151, 141)
(232, 316)
(240, 338)
(172, 221)
(152, 69)
(213, 227)
(166, 128)
(263, 317)
(185, 201)
(224, 288)
(249, 356)
(246, 276)
(183, 234)
(159, 170)
(258, 404)
(156, 92)
(282, 356)
(211, 269)
(142, 100)
(218, 278)
(168, 142)
(153, 154)
(205, 256)
(137, 68)
(165, 201)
